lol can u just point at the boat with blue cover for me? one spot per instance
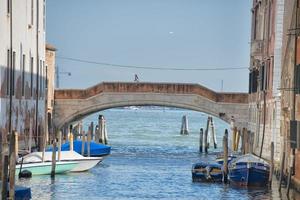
(249, 170)
(96, 150)
(207, 172)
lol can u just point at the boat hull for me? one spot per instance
(45, 167)
(85, 165)
(249, 176)
(199, 177)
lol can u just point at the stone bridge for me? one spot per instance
(74, 104)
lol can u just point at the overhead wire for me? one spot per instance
(211, 68)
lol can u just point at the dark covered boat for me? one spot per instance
(207, 172)
(249, 170)
(220, 159)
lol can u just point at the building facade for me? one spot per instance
(264, 78)
(23, 70)
(274, 90)
(51, 72)
(290, 89)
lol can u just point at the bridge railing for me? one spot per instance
(141, 87)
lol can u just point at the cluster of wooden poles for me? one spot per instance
(99, 135)
(207, 136)
(9, 150)
(8, 166)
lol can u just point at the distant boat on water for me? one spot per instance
(132, 107)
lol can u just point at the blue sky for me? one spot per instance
(152, 33)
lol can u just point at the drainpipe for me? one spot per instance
(264, 125)
(11, 69)
(38, 73)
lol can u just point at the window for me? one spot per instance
(32, 10)
(13, 74)
(255, 23)
(23, 75)
(253, 81)
(7, 72)
(250, 82)
(262, 77)
(31, 76)
(271, 21)
(8, 6)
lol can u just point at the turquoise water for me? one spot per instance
(149, 160)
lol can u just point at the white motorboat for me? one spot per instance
(83, 163)
(44, 168)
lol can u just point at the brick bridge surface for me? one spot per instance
(74, 104)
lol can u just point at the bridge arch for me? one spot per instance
(72, 105)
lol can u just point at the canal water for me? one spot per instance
(149, 160)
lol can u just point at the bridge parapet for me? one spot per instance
(144, 87)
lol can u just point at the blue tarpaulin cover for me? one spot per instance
(96, 149)
(21, 193)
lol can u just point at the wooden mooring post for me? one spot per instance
(17, 144)
(206, 137)
(237, 141)
(82, 142)
(80, 129)
(201, 141)
(53, 166)
(225, 147)
(5, 163)
(4, 176)
(92, 130)
(102, 130)
(213, 133)
(1, 158)
(282, 165)
(205, 141)
(243, 137)
(98, 136)
(184, 126)
(71, 139)
(12, 164)
(59, 145)
(271, 164)
(234, 132)
(89, 142)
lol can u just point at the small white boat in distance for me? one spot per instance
(83, 163)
